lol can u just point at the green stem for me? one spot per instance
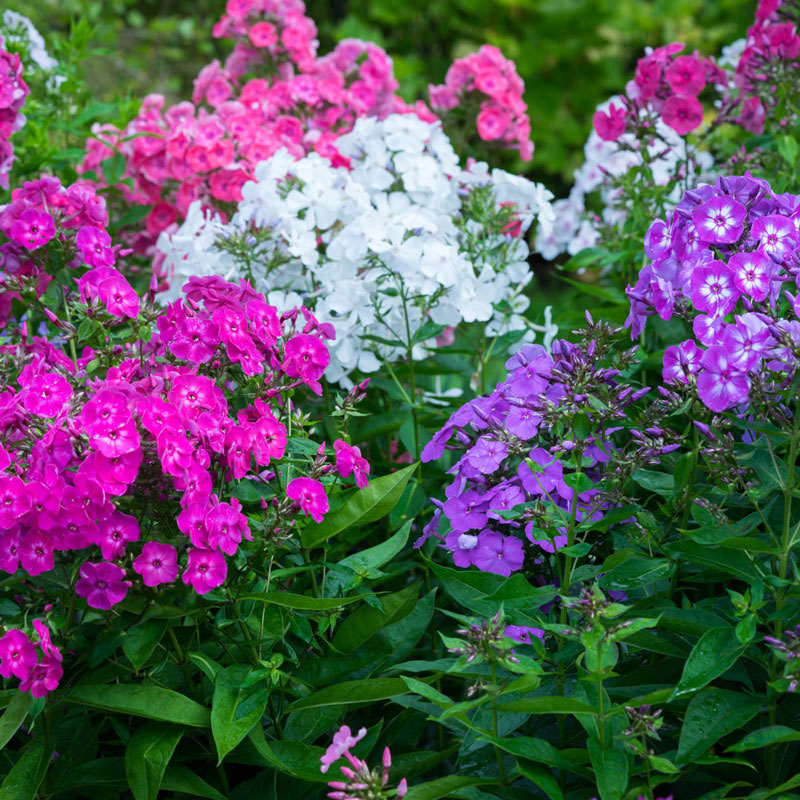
(601, 717)
(495, 729)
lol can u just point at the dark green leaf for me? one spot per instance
(181, 779)
(300, 602)
(353, 692)
(146, 757)
(12, 718)
(764, 737)
(716, 652)
(141, 640)
(445, 787)
(610, 769)
(659, 482)
(547, 705)
(240, 698)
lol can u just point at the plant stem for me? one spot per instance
(495, 730)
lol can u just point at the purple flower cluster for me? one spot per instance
(728, 262)
(517, 455)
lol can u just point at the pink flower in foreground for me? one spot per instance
(157, 564)
(33, 229)
(610, 125)
(102, 584)
(17, 654)
(310, 495)
(686, 75)
(343, 740)
(349, 459)
(492, 123)
(682, 114)
(46, 394)
(205, 570)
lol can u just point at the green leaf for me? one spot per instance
(547, 705)
(731, 562)
(301, 602)
(292, 758)
(764, 737)
(353, 692)
(445, 787)
(146, 757)
(543, 778)
(712, 714)
(716, 652)
(539, 750)
(141, 640)
(113, 168)
(100, 773)
(152, 702)
(240, 698)
(610, 769)
(789, 149)
(12, 718)
(373, 557)
(181, 779)
(579, 481)
(659, 482)
(24, 778)
(366, 505)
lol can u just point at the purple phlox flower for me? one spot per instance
(720, 220)
(466, 512)
(744, 188)
(529, 370)
(487, 454)
(663, 297)
(637, 317)
(681, 361)
(657, 240)
(499, 554)
(752, 274)
(432, 528)
(462, 546)
(549, 546)
(721, 385)
(775, 234)
(784, 356)
(713, 289)
(708, 329)
(436, 446)
(794, 300)
(686, 242)
(522, 422)
(544, 482)
(669, 269)
(504, 498)
(523, 633)
(747, 341)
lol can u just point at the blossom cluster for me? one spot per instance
(37, 665)
(486, 84)
(360, 782)
(520, 482)
(13, 94)
(401, 238)
(727, 261)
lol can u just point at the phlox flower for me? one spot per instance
(349, 460)
(32, 229)
(610, 125)
(14, 500)
(713, 288)
(720, 220)
(462, 547)
(752, 274)
(102, 584)
(720, 384)
(268, 436)
(343, 740)
(492, 123)
(157, 563)
(487, 454)
(775, 234)
(499, 554)
(747, 341)
(205, 570)
(17, 654)
(306, 358)
(94, 246)
(523, 633)
(310, 495)
(657, 240)
(114, 532)
(681, 362)
(686, 75)
(196, 340)
(227, 526)
(118, 295)
(47, 394)
(43, 678)
(682, 114)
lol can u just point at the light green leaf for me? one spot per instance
(716, 652)
(374, 557)
(610, 769)
(237, 706)
(146, 758)
(13, 716)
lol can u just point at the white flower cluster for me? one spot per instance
(575, 229)
(390, 250)
(19, 31)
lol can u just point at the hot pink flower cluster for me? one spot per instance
(665, 85)
(75, 218)
(770, 55)
(488, 81)
(271, 93)
(13, 94)
(360, 782)
(36, 664)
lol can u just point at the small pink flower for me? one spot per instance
(343, 740)
(610, 125)
(306, 357)
(310, 495)
(349, 459)
(263, 34)
(94, 245)
(205, 570)
(47, 394)
(686, 75)
(17, 654)
(118, 295)
(33, 229)
(43, 678)
(102, 584)
(157, 564)
(114, 533)
(492, 123)
(682, 114)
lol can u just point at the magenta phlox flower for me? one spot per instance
(114, 474)
(268, 436)
(193, 394)
(232, 328)
(720, 220)
(43, 678)
(663, 294)
(487, 454)
(45, 641)
(306, 357)
(523, 633)
(94, 246)
(343, 740)
(47, 394)
(157, 563)
(238, 451)
(775, 235)
(686, 75)
(227, 526)
(15, 501)
(159, 416)
(720, 384)
(192, 521)
(499, 554)
(9, 550)
(713, 289)
(747, 342)
(176, 453)
(196, 340)
(118, 295)
(349, 460)
(752, 274)
(102, 584)
(708, 330)
(462, 547)
(114, 533)
(467, 512)
(32, 229)
(687, 244)
(682, 113)
(681, 362)
(610, 125)
(657, 240)
(17, 654)
(310, 495)
(205, 570)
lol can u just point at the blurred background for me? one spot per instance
(572, 54)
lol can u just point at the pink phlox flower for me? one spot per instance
(721, 385)
(681, 361)
(713, 289)
(193, 521)
(268, 435)
(159, 416)
(306, 357)
(205, 570)
(238, 451)
(175, 452)
(45, 642)
(708, 329)
(114, 533)
(196, 340)
(193, 394)
(752, 274)
(43, 678)
(349, 460)
(9, 550)
(610, 125)
(686, 75)
(747, 342)
(47, 394)
(683, 114)
(310, 495)
(118, 295)
(94, 245)
(157, 564)
(775, 234)
(343, 740)
(720, 220)
(492, 122)
(657, 240)
(32, 229)
(102, 584)
(15, 501)
(663, 297)
(17, 654)
(227, 526)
